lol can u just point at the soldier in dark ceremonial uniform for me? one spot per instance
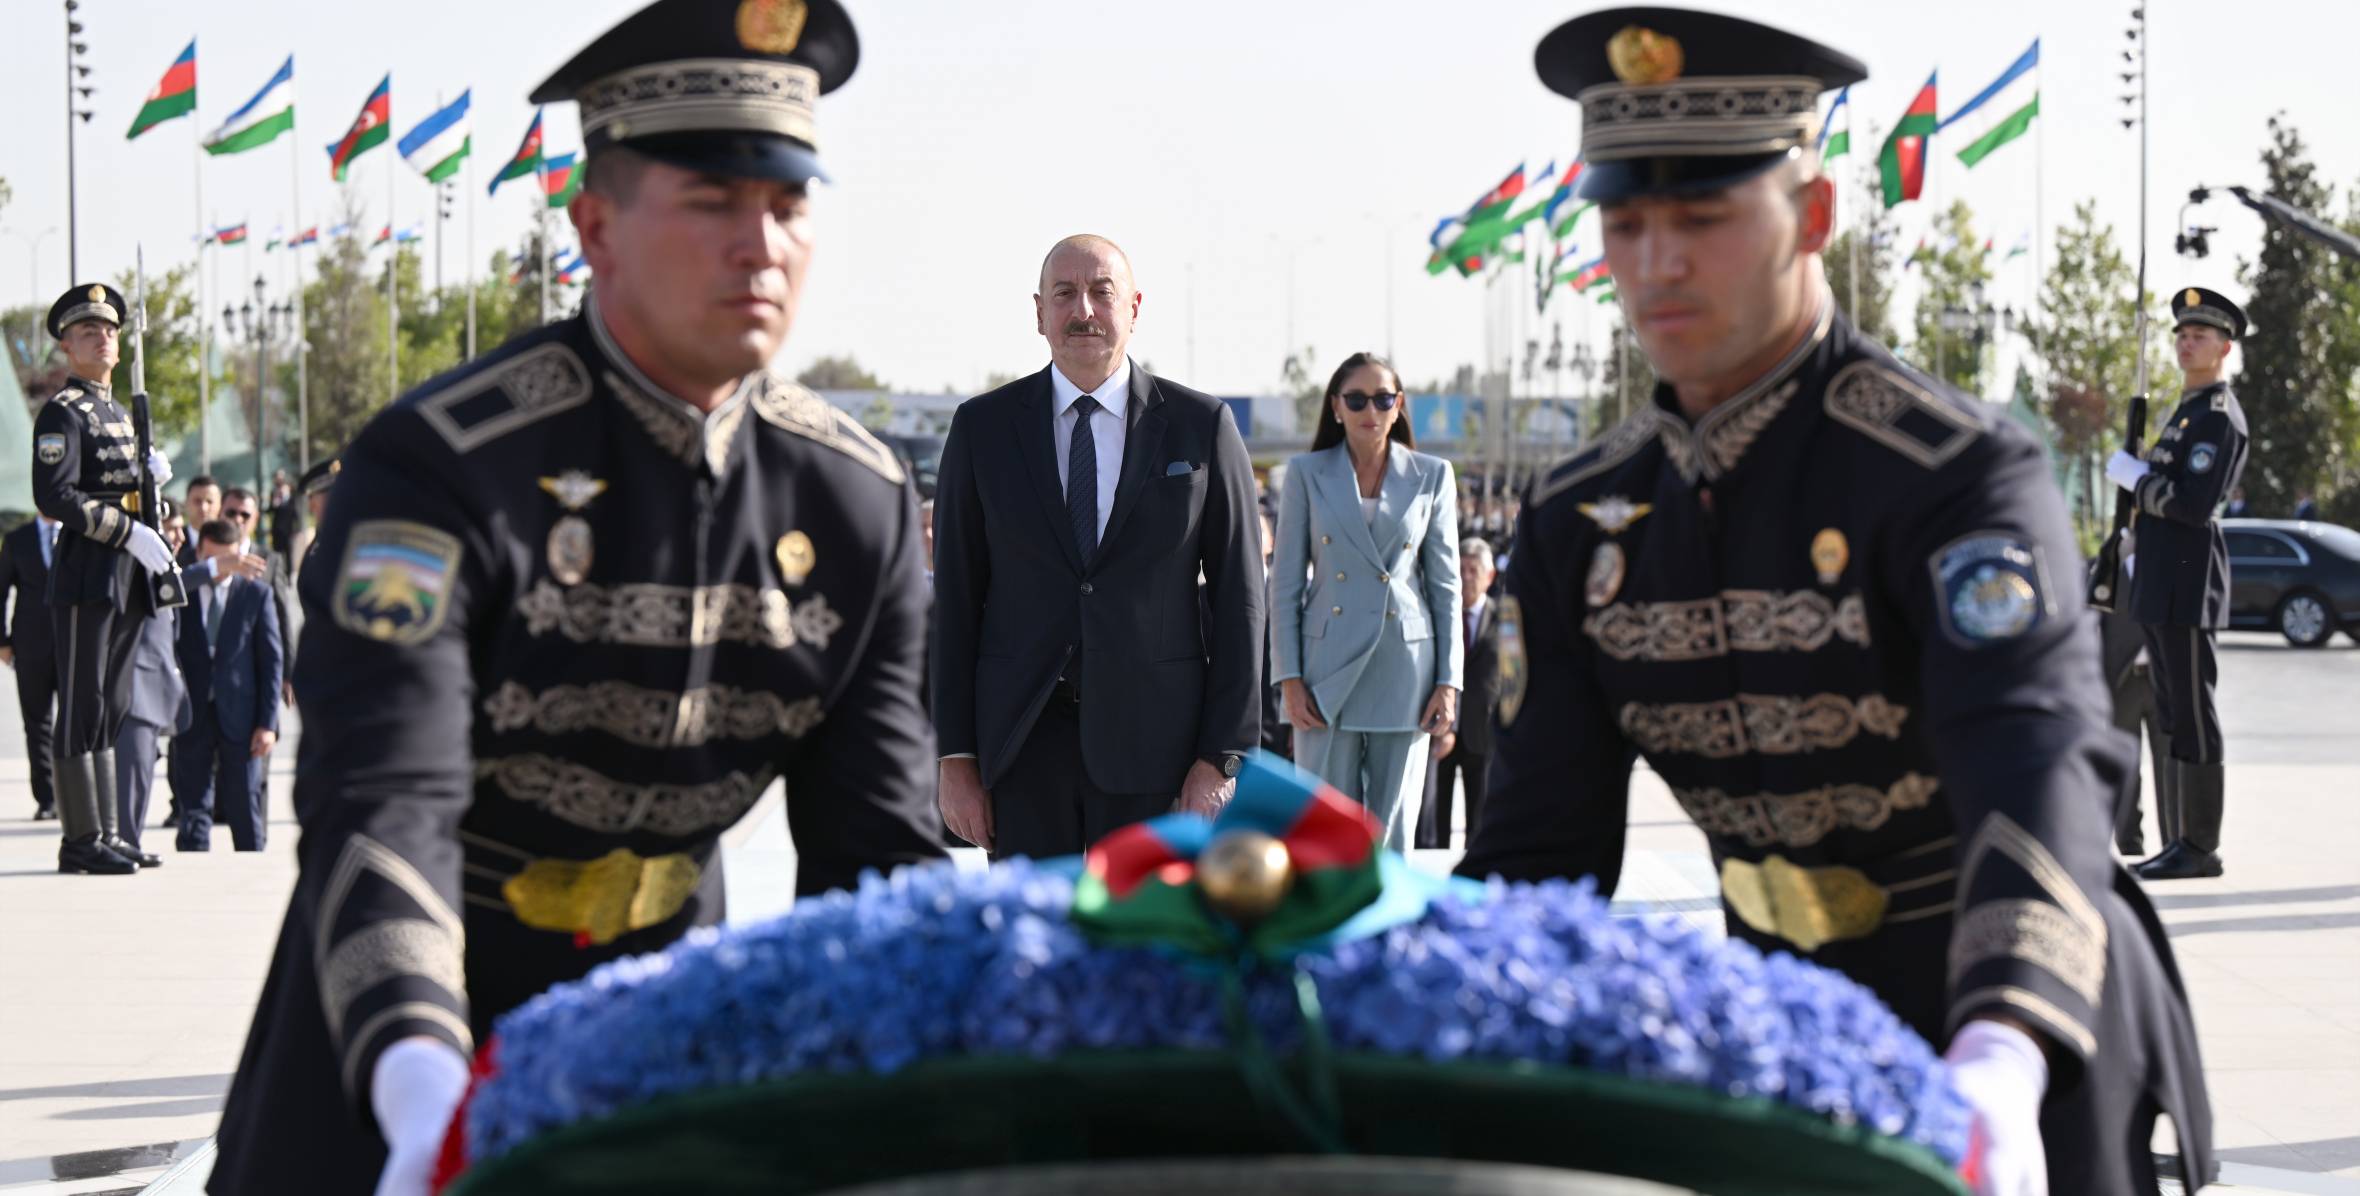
(573, 607)
(86, 476)
(1836, 605)
(2180, 574)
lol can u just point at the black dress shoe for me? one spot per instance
(45, 813)
(123, 847)
(93, 858)
(171, 820)
(2179, 861)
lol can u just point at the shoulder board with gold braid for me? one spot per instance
(1612, 449)
(1901, 412)
(790, 405)
(481, 406)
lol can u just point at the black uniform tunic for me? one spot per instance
(2180, 561)
(84, 463)
(1840, 616)
(561, 631)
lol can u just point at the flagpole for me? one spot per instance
(2040, 191)
(2139, 299)
(1861, 236)
(470, 271)
(302, 345)
(204, 318)
(393, 262)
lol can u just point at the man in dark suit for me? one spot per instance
(231, 655)
(1080, 683)
(1278, 738)
(1464, 753)
(29, 646)
(200, 504)
(159, 704)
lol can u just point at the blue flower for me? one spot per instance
(932, 963)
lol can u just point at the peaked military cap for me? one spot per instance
(319, 478)
(1682, 102)
(86, 301)
(2195, 305)
(722, 86)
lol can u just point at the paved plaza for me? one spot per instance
(123, 1002)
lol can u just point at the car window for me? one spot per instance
(2255, 546)
(2343, 541)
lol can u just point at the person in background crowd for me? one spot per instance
(232, 656)
(200, 504)
(1463, 753)
(1365, 595)
(2237, 507)
(1081, 681)
(159, 705)
(1277, 737)
(29, 647)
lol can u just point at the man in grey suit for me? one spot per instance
(1080, 683)
(159, 704)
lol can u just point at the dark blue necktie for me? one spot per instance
(1081, 478)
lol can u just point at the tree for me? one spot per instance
(2341, 501)
(171, 349)
(1870, 239)
(838, 373)
(2085, 337)
(345, 323)
(1956, 267)
(1308, 393)
(1615, 401)
(2295, 378)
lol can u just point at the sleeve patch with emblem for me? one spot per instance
(2200, 458)
(1514, 672)
(395, 580)
(50, 447)
(1988, 588)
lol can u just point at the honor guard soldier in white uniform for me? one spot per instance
(574, 606)
(1836, 605)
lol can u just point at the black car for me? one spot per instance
(2296, 577)
(921, 455)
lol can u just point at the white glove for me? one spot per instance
(2125, 470)
(159, 466)
(416, 1087)
(2003, 1075)
(148, 548)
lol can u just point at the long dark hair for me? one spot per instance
(1330, 432)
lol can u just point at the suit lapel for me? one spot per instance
(1142, 445)
(1394, 497)
(1036, 444)
(1339, 488)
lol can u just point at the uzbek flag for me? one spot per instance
(1902, 162)
(270, 113)
(1563, 210)
(526, 160)
(234, 234)
(2012, 100)
(1831, 143)
(368, 131)
(440, 143)
(560, 180)
(174, 95)
(278, 237)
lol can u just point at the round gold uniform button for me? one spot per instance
(1339, 575)
(1335, 610)
(1327, 540)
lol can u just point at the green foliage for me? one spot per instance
(1956, 264)
(2296, 377)
(172, 351)
(838, 373)
(1871, 240)
(2084, 335)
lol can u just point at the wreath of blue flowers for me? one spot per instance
(932, 963)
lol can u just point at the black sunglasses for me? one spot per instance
(1384, 399)
(239, 514)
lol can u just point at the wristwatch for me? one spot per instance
(1227, 762)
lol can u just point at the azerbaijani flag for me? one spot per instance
(175, 94)
(440, 142)
(383, 235)
(560, 180)
(1583, 276)
(2018, 91)
(233, 235)
(526, 160)
(1903, 160)
(368, 130)
(270, 113)
(1495, 202)
(1833, 144)
(309, 236)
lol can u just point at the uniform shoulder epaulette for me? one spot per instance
(1611, 449)
(795, 407)
(477, 407)
(2220, 399)
(1901, 412)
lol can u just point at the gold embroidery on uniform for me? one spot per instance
(1871, 398)
(788, 404)
(2069, 942)
(593, 800)
(660, 616)
(1766, 724)
(1610, 450)
(650, 717)
(364, 855)
(1802, 819)
(381, 951)
(538, 383)
(2029, 1002)
(675, 431)
(1736, 621)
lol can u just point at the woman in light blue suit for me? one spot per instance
(1365, 597)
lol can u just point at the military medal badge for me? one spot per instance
(571, 548)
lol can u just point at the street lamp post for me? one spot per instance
(1974, 323)
(75, 68)
(256, 319)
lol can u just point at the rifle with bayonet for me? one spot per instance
(2108, 579)
(166, 588)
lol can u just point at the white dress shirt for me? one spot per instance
(1110, 425)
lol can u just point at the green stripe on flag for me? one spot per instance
(573, 187)
(1606, 296)
(2002, 133)
(156, 112)
(1564, 228)
(1838, 144)
(260, 133)
(450, 166)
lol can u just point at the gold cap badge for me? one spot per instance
(98, 294)
(1641, 57)
(796, 557)
(2189, 297)
(770, 26)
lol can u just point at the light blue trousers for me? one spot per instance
(1383, 770)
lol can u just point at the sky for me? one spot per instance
(1272, 168)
